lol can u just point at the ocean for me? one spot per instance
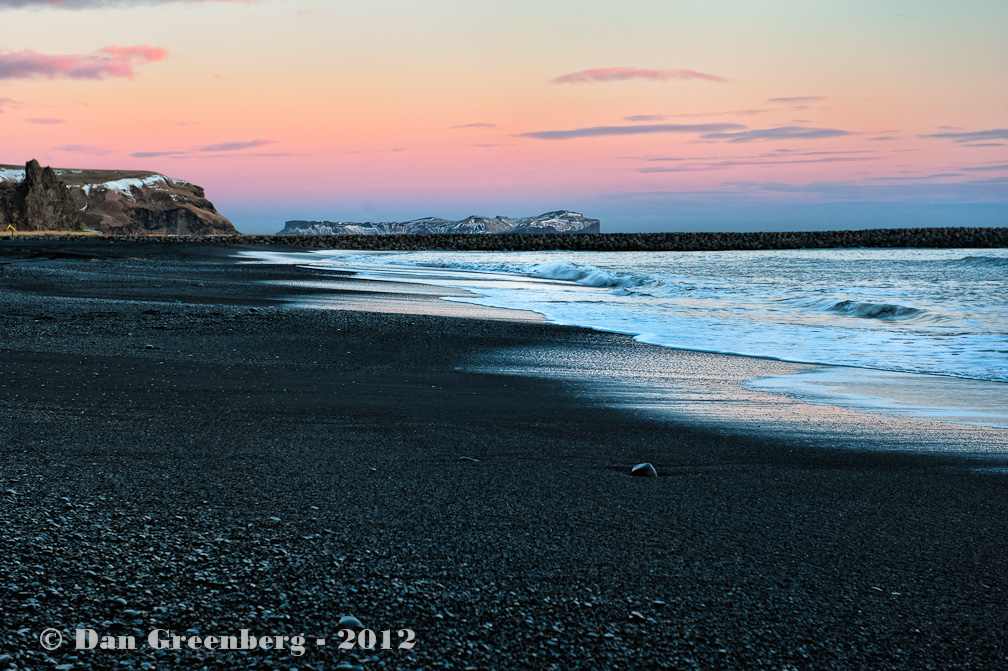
(935, 312)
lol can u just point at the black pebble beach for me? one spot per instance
(182, 448)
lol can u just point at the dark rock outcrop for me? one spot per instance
(39, 202)
(125, 202)
(561, 221)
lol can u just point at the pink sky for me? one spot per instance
(648, 115)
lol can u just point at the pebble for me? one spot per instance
(347, 666)
(644, 470)
(349, 621)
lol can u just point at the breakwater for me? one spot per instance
(938, 237)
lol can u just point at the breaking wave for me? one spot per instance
(581, 273)
(930, 311)
(886, 311)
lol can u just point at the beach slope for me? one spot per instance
(185, 448)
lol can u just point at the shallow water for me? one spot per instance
(938, 312)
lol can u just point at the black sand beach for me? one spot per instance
(182, 448)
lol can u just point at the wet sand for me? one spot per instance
(183, 445)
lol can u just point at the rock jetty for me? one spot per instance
(621, 242)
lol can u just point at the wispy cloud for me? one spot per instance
(314, 10)
(602, 131)
(6, 103)
(46, 121)
(89, 149)
(624, 73)
(699, 166)
(780, 133)
(393, 150)
(474, 125)
(745, 112)
(637, 118)
(222, 148)
(727, 113)
(986, 168)
(796, 100)
(159, 154)
(781, 153)
(234, 146)
(88, 4)
(972, 136)
(110, 61)
(883, 138)
(908, 179)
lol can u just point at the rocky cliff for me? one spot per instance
(562, 221)
(123, 202)
(39, 201)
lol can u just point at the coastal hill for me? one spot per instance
(562, 221)
(122, 202)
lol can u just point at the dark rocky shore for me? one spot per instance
(182, 449)
(955, 237)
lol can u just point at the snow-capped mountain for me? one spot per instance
(562, 221)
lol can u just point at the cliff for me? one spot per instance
(122, 202)
(562, 221)
(38, 202)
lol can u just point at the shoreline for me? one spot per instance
(177, 437)
(964, 399)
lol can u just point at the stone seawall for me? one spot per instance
(610, 242)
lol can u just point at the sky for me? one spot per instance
(648, 115)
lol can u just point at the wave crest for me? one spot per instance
(974, 261)
(867, 310)
(581, 273)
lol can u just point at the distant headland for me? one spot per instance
(561, 221)
(121, 202)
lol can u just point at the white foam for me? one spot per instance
(778, 304)
(839, 307)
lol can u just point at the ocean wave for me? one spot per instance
(580, 273)
(886, 311)
(974, 261)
